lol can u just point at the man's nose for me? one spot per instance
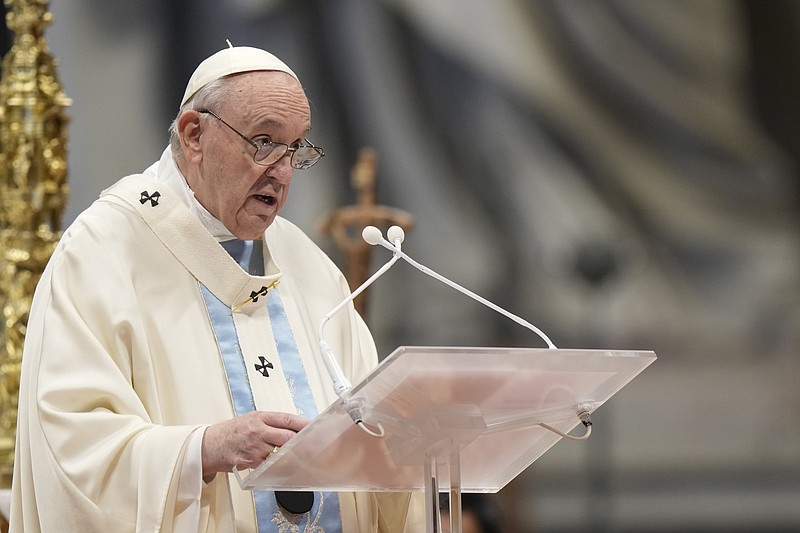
(283, 168)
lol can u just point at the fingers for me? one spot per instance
(276, 429)
(283, 420)
(263, 432)
(247, 440)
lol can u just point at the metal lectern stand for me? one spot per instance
(474, 413)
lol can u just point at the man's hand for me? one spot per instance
(245, 441)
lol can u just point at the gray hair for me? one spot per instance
(210, 97)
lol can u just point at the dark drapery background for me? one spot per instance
(621, 173)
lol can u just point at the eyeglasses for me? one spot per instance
(270, 152)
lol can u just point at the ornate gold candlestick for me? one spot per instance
(33, 192)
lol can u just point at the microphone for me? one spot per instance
(396, 237)
(341, 385)
(373, 235)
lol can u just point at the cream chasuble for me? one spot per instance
(125, 363)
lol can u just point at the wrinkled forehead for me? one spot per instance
(266, 89)
(267, 98)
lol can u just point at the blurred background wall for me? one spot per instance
(622, 173)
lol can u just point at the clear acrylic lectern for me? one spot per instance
(474, 413)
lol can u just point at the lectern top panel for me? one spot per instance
(484, 403)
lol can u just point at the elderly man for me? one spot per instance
(171, 337)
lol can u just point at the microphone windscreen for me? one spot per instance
(395, 234)
(372, 235)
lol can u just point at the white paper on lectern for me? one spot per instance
(483, 402)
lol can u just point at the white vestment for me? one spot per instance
(122, 370)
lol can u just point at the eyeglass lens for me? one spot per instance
(302, 157)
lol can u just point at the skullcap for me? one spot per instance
(232, 60)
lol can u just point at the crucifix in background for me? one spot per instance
(345, 224)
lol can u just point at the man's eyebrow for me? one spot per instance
(269, 123)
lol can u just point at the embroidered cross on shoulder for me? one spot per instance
(152, 197)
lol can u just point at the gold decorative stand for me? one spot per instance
(33, 192)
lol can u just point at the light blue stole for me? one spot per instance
(325, 515)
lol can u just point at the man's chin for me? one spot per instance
(250, 226)
(252, 232)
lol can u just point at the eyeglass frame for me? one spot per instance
(288, 149)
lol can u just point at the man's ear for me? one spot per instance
(190, 131)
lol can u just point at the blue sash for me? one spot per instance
(325, 515)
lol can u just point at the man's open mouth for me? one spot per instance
(267, 199)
